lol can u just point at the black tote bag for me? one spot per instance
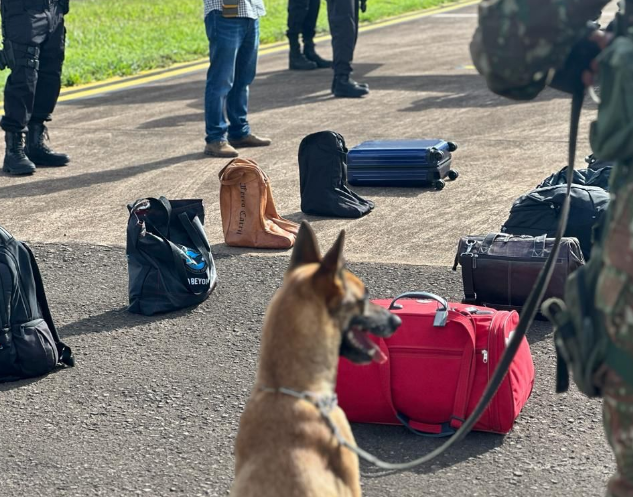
(170, 264)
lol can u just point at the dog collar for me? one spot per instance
(324, 403)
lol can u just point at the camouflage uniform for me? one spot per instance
(517, 47)
(615, 298)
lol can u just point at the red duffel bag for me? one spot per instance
(437, 366)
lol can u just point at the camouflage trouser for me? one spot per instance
(618, 426)
(614, 296)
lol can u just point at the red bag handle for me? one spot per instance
(441, 315)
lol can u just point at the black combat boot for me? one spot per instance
(344, 87)
(15, 160)
(352, 82)
(310, 53)
(297, 61)
(39, 152)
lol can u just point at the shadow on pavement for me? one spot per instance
(14, 385)
(48, 186)
(395, 444)
(282, 88)
(369, 192)
(117, 319)
(299, 216)
(174, 121)
(222, 250)
(451, 95)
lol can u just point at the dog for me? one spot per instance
(284, 446)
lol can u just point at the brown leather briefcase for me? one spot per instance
(247, 207)
(499, 270)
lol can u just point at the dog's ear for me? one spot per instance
(306, 248)
(332, 262)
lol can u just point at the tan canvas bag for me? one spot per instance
(247, 207)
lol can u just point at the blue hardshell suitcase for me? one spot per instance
(401, 163)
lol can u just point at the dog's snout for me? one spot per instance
(394, 321)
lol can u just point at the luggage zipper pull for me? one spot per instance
(484, 355)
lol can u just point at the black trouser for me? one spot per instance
(302, 18)
(34, 38)
(343, 18)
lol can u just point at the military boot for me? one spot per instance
(39, 152)
(15, 160)
(350, 81)
(297, 61)
(344, 87)
(310, 53)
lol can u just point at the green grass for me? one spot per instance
(108, 38)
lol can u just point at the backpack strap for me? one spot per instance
(64, 351)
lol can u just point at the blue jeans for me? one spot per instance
(233, 44)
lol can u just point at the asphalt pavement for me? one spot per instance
(153, 405)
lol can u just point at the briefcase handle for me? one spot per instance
(490, 239)
(441, 316)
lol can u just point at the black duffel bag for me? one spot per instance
(169, 258)
(538, 213)
(588, 177)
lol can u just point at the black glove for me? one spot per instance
(363, 6)
(569, 77)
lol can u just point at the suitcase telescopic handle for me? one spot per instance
(441, 316)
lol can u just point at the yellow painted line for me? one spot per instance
(151, 76)
(469, 66)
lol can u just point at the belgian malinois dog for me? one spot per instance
(284, 446)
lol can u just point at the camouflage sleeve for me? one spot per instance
(519, 42)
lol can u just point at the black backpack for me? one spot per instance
(29, 343)
(323, 178)
(537, 213)
(170, 264)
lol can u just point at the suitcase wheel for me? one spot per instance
(453, 175)
(439, 184)
(436, 154)
(452, 146)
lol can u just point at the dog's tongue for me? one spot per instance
(378, 355)
(369, 345)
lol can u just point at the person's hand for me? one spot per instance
(602, 39)
(363, 6)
